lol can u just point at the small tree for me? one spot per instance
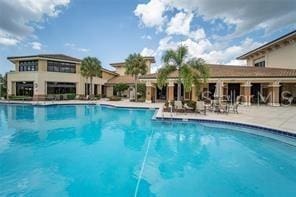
(91, 67)
(192, 71)
(142, 89)
(3, 85)
(119, 88)
(135, 65)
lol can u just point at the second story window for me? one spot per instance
(259, 62)
(28, 65)
(65, 67)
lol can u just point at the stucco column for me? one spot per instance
(246, 93)
(148, 92)
(193, 93)
(80, 89)
(170, 91)
(274, 94)
(39, 89)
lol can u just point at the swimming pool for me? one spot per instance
(93, 150)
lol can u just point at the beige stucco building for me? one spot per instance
(41, 75)
(269, 77)
(279, 53)
(38, 76)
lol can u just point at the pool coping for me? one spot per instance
(158, 117)
(247, 125)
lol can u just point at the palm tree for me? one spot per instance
(91, 67)
(135, 65)
(190, 72)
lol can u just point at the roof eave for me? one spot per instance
(269, 44)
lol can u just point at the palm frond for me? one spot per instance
(182, 52)
(200, 66)
(135, 65)
(163, 74)
(91, 67)
(186, 75)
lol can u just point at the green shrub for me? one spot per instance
(71, 96)
(141, 89)
(20, 98)
(114, 98)
(119, 88)
(98, 97)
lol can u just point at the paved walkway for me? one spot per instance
(282, 118)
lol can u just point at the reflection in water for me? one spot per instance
(79, 150)
(98, 151)
(177, 149)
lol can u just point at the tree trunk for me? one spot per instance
(91, 86)
(136, 89)
(179, 91)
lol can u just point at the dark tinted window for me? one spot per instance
(65, 67)
(28, 65)
(260, 64)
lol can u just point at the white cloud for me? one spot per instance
(247, 16)
(7, 40)
(36, 45)
(205, 49)
(180, 24)
(197, 34)
(238, 17)
(151, 14)
(147, 52)
(237, 62)
(76, 48)
(19, 18)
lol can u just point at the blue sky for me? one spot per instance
(112, 29)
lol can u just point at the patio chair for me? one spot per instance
(187, 108)
(224, 108)
(201, 107)
(178, 106)
(65, 97)
(77, 97)
(235, 108)
(50, 97)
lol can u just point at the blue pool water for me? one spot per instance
(102, 151)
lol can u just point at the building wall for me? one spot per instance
(280, 57)
(107, 75)
(41, 77)
(120, 70)
(283, 57)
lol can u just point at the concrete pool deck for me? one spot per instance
(281, 118)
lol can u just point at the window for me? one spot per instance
(28, 65)
(61, 88)
(24, 88)
(260, 64)
(64, 67)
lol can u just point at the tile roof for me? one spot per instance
(227, 71)
(49, 56)
(109, 71)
